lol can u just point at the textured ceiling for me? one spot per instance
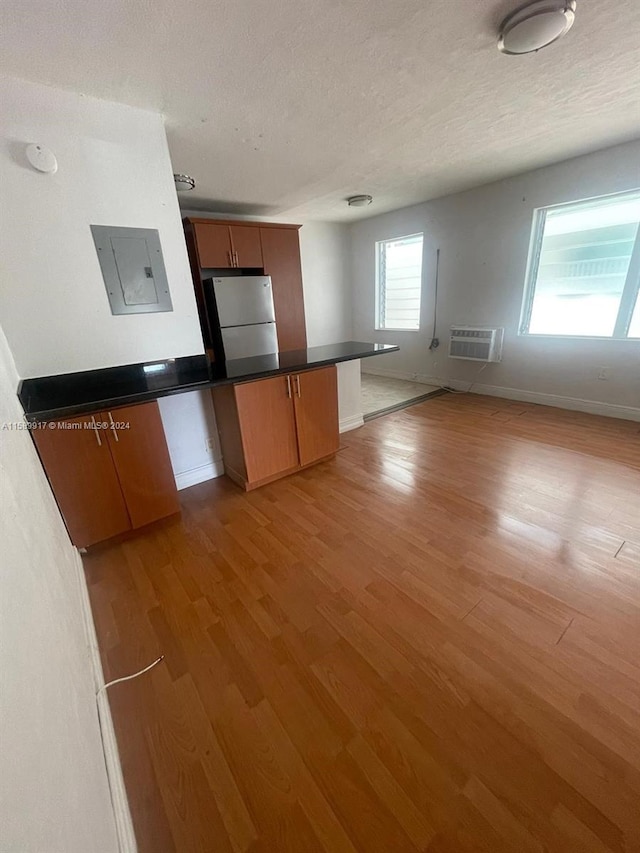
(286, 107)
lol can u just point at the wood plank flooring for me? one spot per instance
(430, 643)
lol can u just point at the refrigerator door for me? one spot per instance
(244, 300)
(245, 341)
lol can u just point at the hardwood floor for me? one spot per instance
(430, 643)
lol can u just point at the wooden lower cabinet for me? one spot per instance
(143, 465)
(316, 406)
(110, 472)
(268, 427)
(272, 427)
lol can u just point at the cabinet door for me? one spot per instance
(79, 466)
(267, 426)
(214, 246)
(281, 255)
(139, 449)
(245, 242)
(316, 406)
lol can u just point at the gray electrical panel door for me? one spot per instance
(133, 269)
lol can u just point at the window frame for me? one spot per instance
(378, 289)
(630, 292)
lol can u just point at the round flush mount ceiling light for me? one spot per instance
(535, 25)
(359, 200)
(184, 183)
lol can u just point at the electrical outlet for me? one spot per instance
(210, 445)
(604, 373)
(414, 376)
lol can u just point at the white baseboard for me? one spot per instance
(422, 378)
(352, 422)
(122, 815)
(592, 407)
(198, 475)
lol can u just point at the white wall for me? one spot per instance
(192, 437)
(349, 395)
(54, 793)
(483, 235)
(113, 169)
(324, 253)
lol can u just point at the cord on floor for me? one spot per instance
(466, 390)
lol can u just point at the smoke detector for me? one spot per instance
(535, 25)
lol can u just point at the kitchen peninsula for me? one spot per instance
(100, 436)
(69, 394)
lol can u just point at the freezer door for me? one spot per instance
(244, 300)
(245, 341)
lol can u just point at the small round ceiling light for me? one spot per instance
(535, 25)
(359, 200)
(184, 183)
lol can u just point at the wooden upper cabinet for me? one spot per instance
(76, 457)
(214, 245)
(139, 449)
(230, 246)
(267, 424)
(269, 246)
(245, 243)
(281, 255)
(316, 408)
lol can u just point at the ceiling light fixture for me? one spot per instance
(184, 183)
(535, 25)
(359, 200)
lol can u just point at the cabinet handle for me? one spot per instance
(236, 257)
(288, 386)
(230, 256)
(113, 427)
(95, 429)
(298, 384)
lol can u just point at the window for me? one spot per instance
(584, 269)
(399, 283)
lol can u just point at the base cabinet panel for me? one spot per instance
(272, 427)
(265, 412)
(142, 461)
(110, 472)
(76, 457)
(316, 407)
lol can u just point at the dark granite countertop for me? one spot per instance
(70, 394)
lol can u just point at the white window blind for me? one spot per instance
(584, 269)
(399, 282)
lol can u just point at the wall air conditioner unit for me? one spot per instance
(476, 343)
